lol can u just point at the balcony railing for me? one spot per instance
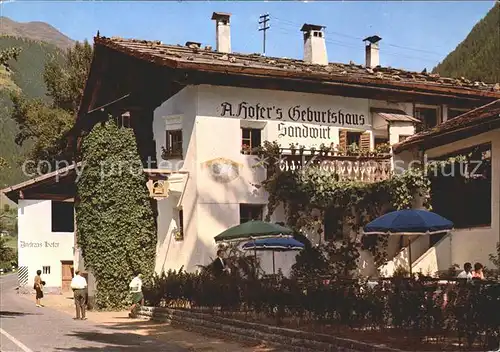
(368, 167)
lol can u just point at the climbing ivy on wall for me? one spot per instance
(307, 193)
(116, 227)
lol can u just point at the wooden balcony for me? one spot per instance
(370, 167)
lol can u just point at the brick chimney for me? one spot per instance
(222, 32)
(372, 51)
(314, 44)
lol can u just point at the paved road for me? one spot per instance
(26, 328)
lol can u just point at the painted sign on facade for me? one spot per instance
(286, 107)
(306, 131)
(222, 170)
(297, 113)
(43, 244)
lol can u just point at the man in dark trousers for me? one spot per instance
(79, 286)
(219, 265)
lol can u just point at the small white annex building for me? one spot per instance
(473, 206)
(46, 229)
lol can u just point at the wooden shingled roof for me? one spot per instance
(206, 59)
(480, 120)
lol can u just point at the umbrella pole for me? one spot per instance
(409, 257)
(274, 270)
(255, 255)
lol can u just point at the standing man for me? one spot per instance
(137, 296)
(79, 287)
(219, 264)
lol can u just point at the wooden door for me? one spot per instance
(67, 274)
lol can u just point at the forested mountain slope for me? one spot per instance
(478, 56)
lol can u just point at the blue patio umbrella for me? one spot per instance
(408, 222)
(280, 244)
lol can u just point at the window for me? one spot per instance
(429, 117)
(468, 180)
(46, 270)
(452, 113)
(353, 141)
(173, 148)
(250, 139)
(250, 212)
(353, 138)
(333, 225)
(181, 222)
(124, 120)
(402, 137)
(63, 217)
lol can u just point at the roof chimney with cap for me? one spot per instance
(314, 44)
(223, 35)
(193, 45)
(372, 51)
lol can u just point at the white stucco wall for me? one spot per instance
(211, 119)
(178, 112)
(38, 246)
(280, 110)
(400, 128)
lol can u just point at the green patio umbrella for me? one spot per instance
(252, 229)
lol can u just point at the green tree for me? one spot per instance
(45, 124)
(476, 57)
(3, 163)
(114, 215)
(45, 127)
(65, 82)
(7, 254)
(9, 54)
(7, 223)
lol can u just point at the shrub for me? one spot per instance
(114, 214)
(418, 308)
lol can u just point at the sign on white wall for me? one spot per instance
(296, 113)
(286, 107)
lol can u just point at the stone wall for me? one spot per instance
(290, 339)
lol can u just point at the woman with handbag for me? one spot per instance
(38, 286)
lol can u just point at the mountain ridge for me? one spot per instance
(476, 57)
(36, 31)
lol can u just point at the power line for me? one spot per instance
(294, 24)
(263, 19)
(351, 45)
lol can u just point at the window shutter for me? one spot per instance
(364, 142)
(343, 140)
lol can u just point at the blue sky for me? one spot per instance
(415, 34)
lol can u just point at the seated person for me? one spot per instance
(467, 272)
(478, 271)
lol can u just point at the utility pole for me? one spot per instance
(263, 19)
